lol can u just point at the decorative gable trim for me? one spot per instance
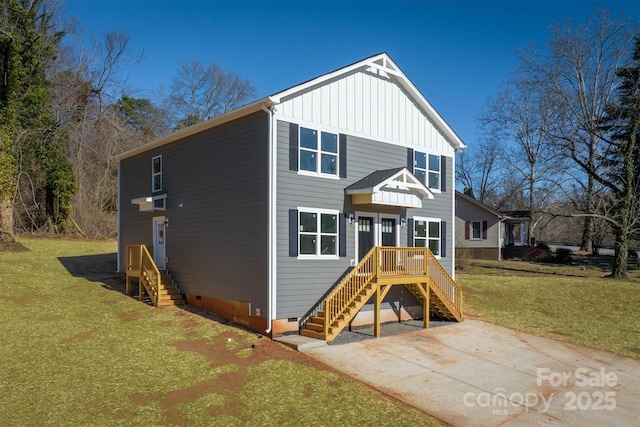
(392, 187)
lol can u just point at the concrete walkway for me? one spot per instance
(477, 374)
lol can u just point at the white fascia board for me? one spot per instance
(368, 62)
(197, 128)
(361, 191)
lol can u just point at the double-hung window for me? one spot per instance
(476, 230)
(426, 233)
(318, 152)
(156, 173)
(317, 233)
(427, 169)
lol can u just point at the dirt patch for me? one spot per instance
(82, 336)
(29, 299)
(129, 316)
(219, 351)
(12, 247)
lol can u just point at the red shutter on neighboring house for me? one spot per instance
(484, 230)
(467, 226)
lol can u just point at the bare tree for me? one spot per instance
(479, 170)
(200, 92)
(519, 118)
(579, 75)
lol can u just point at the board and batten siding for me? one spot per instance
(300, 283)
(217, 207)
(367, 103)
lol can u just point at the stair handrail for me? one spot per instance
(150, 271)
(350, 287)
(441, 278)
(313, 311)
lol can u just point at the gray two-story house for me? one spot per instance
(304, 209)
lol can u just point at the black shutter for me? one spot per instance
(443, 239)
(293, 147)
(443, 174)
(410, 242)
(293, 232)
(342, 235)
(410, 161)
(343, 156)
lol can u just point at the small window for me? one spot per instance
(476, 230)
(427, 169)
(426, 233)
(318, 233)
(318, 152)
(156, 173)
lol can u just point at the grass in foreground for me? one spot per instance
(75, 352)
(570, 303)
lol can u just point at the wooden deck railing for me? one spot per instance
(440, 278)
(345, 294)
(394, 265)
(140, 264)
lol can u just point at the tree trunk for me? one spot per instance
(6, 221)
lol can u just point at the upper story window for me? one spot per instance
(427, 169)
(426, 233)
(318, 233)
(318, 152)
(156, 173)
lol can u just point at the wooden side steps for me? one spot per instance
(314, 328)
(438, 303)
(168, 294)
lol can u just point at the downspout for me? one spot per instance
(119, 222)
(500, 244)
(271, 234)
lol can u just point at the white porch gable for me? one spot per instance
(391, 187)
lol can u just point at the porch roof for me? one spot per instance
(392, 187)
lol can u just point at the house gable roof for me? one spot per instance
(383, 66)
(380, 63)
(480, 205)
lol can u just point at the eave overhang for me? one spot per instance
(151, 203)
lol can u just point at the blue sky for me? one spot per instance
(456, 52)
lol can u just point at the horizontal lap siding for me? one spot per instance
(300, 283)
(217, 241)
(441, 207)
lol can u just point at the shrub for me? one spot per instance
(562, 256)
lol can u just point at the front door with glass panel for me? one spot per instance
(365, 235)
(388, 231)
(159, 242)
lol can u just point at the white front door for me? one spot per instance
(159, 241)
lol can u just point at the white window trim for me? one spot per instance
(153, 174)
(427, 170)
(471, 231)
(319, 211)
(428, 219)
(319, 152)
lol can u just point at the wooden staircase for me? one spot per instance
(158, 285)
(383, 267)
(168, 293)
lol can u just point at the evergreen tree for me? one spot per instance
(30, 141)
(622, 124)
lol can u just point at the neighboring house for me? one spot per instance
(258, 213)
(485, 233)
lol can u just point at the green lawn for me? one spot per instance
(570, 303)
(75, 352)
